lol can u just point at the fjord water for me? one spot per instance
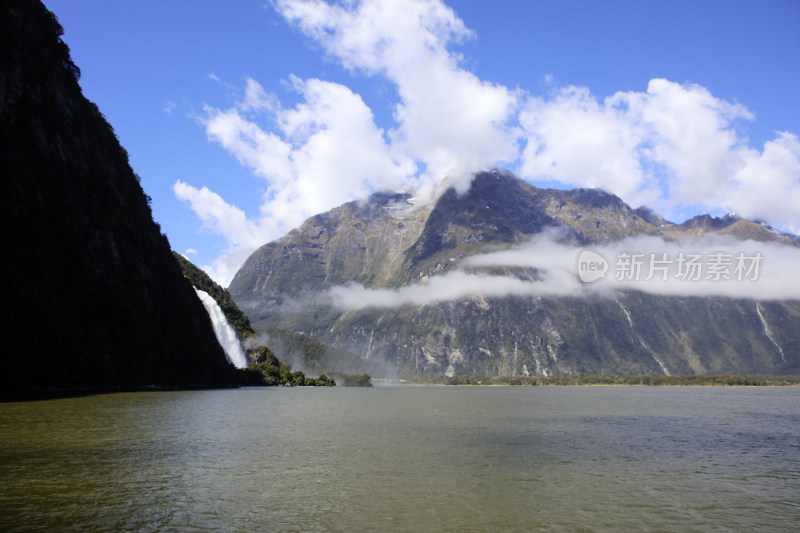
(405, 459)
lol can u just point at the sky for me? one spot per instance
(245, 118)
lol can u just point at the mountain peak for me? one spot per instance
(652, 217)
(708, 223)
(385, 246)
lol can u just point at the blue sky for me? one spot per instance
(244, 118)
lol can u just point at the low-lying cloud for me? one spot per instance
(706, 266)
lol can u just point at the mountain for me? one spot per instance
(399, 254)
(92, 296)
(296, 351)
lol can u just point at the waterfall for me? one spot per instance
(369, 346)
(641, 341)
(768, 332)
(224, 332)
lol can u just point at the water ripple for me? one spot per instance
(405, 459)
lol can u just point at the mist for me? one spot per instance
(313, 358)
(543, 267)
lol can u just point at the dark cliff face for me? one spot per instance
(92, 296)
(380, 245)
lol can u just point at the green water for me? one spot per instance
(405, 459)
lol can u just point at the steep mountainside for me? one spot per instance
(387, 242)
(92, 296)
(200, 280)
(283, 348)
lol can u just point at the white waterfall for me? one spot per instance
(226, 335)
(768, 332)
(641, 341)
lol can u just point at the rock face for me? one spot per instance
(387, 242)
(92, 297)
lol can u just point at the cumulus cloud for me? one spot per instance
(573, 123)
(767, 183)
(328, 150)
(323, 152)
(242, 234)
(447, 117)
(705, 266)
(670, 146)
(219, 216)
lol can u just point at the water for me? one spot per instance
(410, 459)
(226, 335)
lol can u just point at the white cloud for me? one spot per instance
(691, 134)
(767, 184)
(447, 118)
(264, 152)
(219, 216)
(673, 145)
(668, 147)
(242, 235)
(774, 276)
(456, 285)
(368, 35)
(325, 151)
(223, 268)
(339, 153)
(576, 140)
(255, 97)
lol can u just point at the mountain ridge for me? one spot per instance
(387, 243)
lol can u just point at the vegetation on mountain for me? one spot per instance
(93, 297)
(202, 281)
(311, 357)
(264, 369)
(349, 380)
(274, 373)
(315, 357)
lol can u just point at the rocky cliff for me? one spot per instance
(398, 254)
(92, 297)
